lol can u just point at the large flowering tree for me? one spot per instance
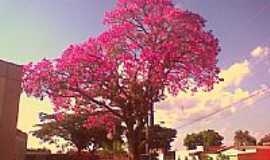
(150, 47)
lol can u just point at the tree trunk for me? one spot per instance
(133, 143)
(79, 151)
(133, 150)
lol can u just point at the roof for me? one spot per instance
(11, 63)
(253, 147)
(226, 148)
(215, 149)
(242, 148)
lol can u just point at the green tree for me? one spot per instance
(264, 139)
(210, 158)
(72, 129)
(223, 157)
(161, 137)
(243, 138)
(205, 138)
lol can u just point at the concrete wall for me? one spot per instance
(232, 153)
(10, 90)
(183, 154)
(21, 145)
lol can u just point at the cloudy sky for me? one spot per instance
(34, 29)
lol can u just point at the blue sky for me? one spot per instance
(34, 29)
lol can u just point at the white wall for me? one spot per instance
(182, 154)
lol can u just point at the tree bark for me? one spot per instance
(134, 153)
(133, 142)
(79, 150)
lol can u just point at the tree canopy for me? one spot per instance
(205, 138)
(160, 137)
(72, 129)
(148, 47)
(243, 138)
(265, 139)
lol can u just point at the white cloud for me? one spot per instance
(235, 74)
(260, 52)
(185, 108)
(174, 110)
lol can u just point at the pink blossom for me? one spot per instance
(149, 46)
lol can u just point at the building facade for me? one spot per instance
(262, 153)
(243, 153)
(10, 90)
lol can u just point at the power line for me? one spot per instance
(262, 91)
(258, 93)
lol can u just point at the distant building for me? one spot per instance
(232, 153)
(189, 154)
(266, 144)
(259, 153)
(10, 90)
(212, 152)
(241, 153)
